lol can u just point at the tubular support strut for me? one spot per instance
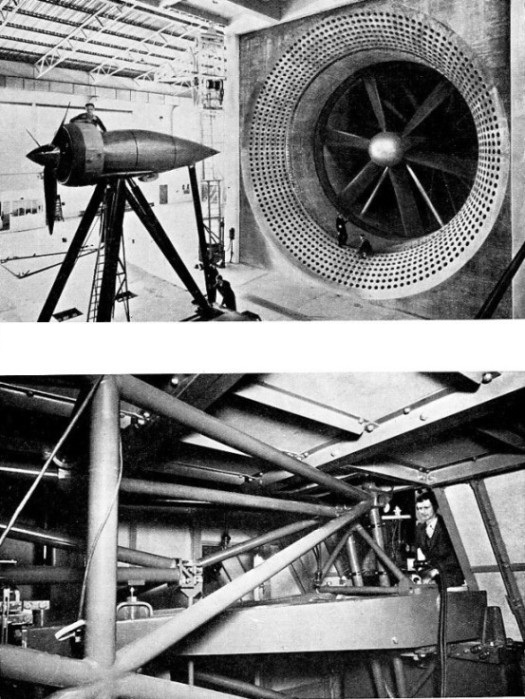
(48, 537)
(101, 573)
(150, 398)
(497, 543)
(187, 492)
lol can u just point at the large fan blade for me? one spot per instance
(410, 218)
(464, 168)
(438, 95)
(361, 181)
(50, 193)
(425, 196)
(375, 100)
(343, 139)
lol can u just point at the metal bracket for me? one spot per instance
(190, 578)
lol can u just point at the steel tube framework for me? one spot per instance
(150, 398)
(44, 668)
(101, 574)
(135, 654)
(257, 541)
(497, 543)
(187, 492)
(53, 575)
(143, 687)
(245, 689)
(63, 541)
(385, 560)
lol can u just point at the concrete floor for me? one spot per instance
(280, 293)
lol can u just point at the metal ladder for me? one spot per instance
(122, 291)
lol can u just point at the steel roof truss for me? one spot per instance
(108, 69)
(56, 55)
(8, 10)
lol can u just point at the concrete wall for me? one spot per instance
(484, 25)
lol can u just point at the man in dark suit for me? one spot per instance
(89, 117)
(433, 541)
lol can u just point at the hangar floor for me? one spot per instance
(279, 293)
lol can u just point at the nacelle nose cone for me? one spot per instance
(189, 152)
(47, 156)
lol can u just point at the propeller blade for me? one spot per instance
(50, 193)
(361, 181)
(406, 203)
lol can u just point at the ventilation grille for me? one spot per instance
(276, 199)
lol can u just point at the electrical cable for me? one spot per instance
(48, 462)
(91, 552)
(442, 632)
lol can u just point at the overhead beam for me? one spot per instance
(265, 8)
(445, 412)
(149, 398)
(275, 397)
(326, 625)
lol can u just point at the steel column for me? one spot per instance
(503, 283)
(244, 689)
(140, 206)
(497, 543)
(112, 237)
(151, 398)
(189, 492)
(72, 254)
(254, 543)
(377, 533)
(101, 575)
(399, 671)
(200, 227)
(137, 653)
(379, 680)
(355, 566)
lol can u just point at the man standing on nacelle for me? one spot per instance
(89, 117)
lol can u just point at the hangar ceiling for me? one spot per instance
(147, 40)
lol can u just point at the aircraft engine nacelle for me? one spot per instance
(88, 154)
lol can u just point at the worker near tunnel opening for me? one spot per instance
(434, 547)
(227, 293)
(342, 235)
(89, 117)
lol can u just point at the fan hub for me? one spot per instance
(386, 149)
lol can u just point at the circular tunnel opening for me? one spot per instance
(424, 133)
(396, 150)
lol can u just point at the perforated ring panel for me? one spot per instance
(278, 197)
